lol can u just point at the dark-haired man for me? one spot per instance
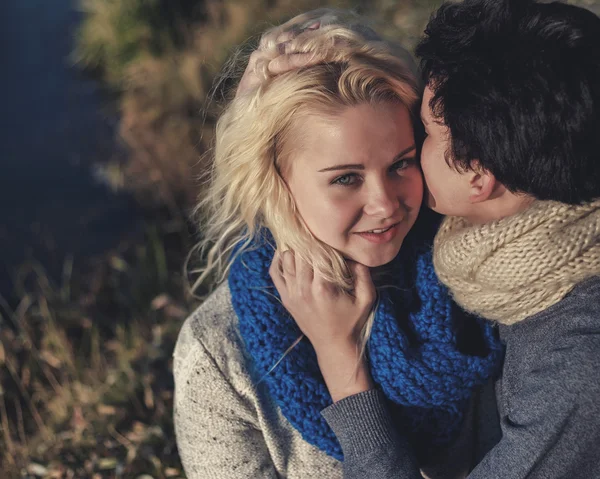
(512, 114)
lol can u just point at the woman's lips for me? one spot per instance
(380, 238)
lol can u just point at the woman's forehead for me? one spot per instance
(360, 133)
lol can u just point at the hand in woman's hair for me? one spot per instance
(275, 56)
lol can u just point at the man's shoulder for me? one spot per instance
(577, 317)
(585, 293)
(561, 345)
(577, 313)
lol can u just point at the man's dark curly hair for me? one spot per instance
(518, 84)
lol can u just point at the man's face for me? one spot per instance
(447, 189)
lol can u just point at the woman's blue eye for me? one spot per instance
(400, 165)
(403, 164)
(352, 179)
(345, 180)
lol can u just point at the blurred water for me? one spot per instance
(53, 124)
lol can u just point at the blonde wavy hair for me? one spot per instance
(256, 133)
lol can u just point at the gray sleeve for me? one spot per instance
(550, 430)
(371, 446)
(551, 421)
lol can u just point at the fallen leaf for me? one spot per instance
(106, 410)
(37, 470)
(107, 463)
(51, 359)
(160, 301)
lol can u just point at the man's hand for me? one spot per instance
(275, 54)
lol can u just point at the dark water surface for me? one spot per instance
(54, 124)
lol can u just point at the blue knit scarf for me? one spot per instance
(420, 352)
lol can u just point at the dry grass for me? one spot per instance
(85, 369)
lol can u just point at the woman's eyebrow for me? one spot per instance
(359, 166)
(356, 166)
(405, 151)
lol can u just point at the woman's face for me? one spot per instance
(356, 180)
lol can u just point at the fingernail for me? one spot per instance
(314, 26)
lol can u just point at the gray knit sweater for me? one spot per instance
(548, 404)
(228, 427)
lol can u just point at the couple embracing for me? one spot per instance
(357, 332)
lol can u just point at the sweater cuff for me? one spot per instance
(362, 423)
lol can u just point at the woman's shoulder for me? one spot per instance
(210, 334)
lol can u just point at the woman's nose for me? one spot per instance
(382, 201)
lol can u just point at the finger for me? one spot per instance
(284, 48)
(294, 27)
(364, 289)
(287, 35)
(300, 42)
(305, 21)
(280, 285)
(321, 286)
(275, 270)
(256, 70)
(296, 30)
(295, 43)
(259, 55)
(270, 38)
(280, 34)
(289, 263)
(304, 274)
(257, 58)
(308, 18)
(285, 63)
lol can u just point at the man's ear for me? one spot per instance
(483, 184)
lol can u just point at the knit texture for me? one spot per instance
(518, 266)
(227, 425)
(414, 355)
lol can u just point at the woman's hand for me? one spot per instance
(331, 319)
(325, 314)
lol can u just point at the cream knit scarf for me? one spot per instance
(513, 268)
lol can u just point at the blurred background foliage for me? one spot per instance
(86, 386)
(163, 56)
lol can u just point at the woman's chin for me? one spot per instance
(376, 260)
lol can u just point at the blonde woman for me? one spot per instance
(321, 161)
